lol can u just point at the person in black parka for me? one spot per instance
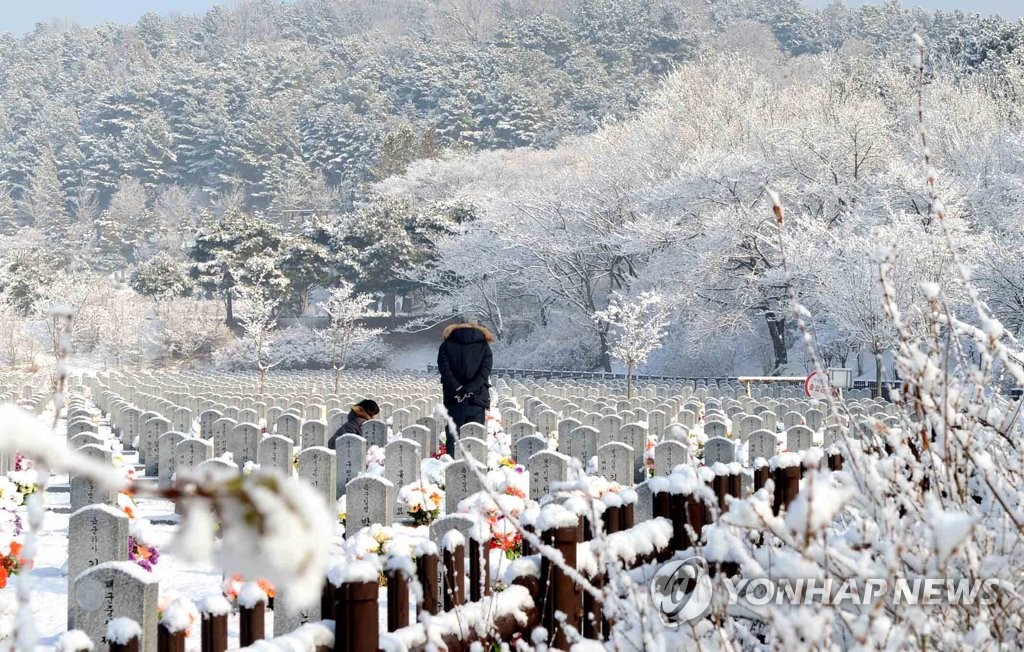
(464, 360)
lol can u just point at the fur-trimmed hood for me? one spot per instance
(452, 328)
(359, 413)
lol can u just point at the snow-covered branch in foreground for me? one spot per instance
(270, 526)
(934, 495)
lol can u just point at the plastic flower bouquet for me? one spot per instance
(140, 550)
(421, 501)
(11, 563)
(10, 496)
(25, 481)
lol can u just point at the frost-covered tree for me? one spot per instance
(8, 211)
(638, 327)
(221, 253)
(44, 200)
(301, 196)
(81, 293)
(178, 214)
(122, 335)
(346, 309)
(306, 265)
(161, 277)
(16, 340)
(258, 305)
(126, 227)
(388, 236)
(27, 267)
(189, 330)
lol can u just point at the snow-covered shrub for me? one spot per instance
(300, 348)
(557, 345)
(189, 329)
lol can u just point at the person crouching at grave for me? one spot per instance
(360, 413)
(464, 360)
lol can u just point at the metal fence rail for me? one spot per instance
(602, 375)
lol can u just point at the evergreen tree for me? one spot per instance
(149, 152)
(8, 211)
(220, 254)
(125, 228)
(161, 277)
(389, 235)
(44, 200)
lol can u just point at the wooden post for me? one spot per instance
(835, 462)
(130, 646)
(720, 485)
(214, 629)
(252, 624)
(593, 617)
(546, 592)
(679, 516)
(343, 618)
(398, 599)
(528, 582)
(328, 599)
(168, 642)
(662, 504)
(787, 486)
(527, 546)
(696, 516)
(426, 573)
(479, 570)
(612, 520)
(628, 518)
(736, 485)
(761, 476)
(566, 596)
(364, 630)
(454, 562)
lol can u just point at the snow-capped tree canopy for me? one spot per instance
(520, 161)
(674, 200)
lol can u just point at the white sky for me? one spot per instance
(21, 16)
(1011, 9)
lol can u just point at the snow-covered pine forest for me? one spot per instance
(523, 161)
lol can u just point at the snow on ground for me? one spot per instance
(178, 579)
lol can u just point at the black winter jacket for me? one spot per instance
(464, 360)
(352, 426)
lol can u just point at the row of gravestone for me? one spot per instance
(106, 586)
(535, 409)
(582, 443)
(287, 423)
(747, 424)
(166, 387)
(386, 409)
(653, 389)
(518, 395)
(656, 419)
(370, 500)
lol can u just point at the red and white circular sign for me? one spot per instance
(818, 385)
